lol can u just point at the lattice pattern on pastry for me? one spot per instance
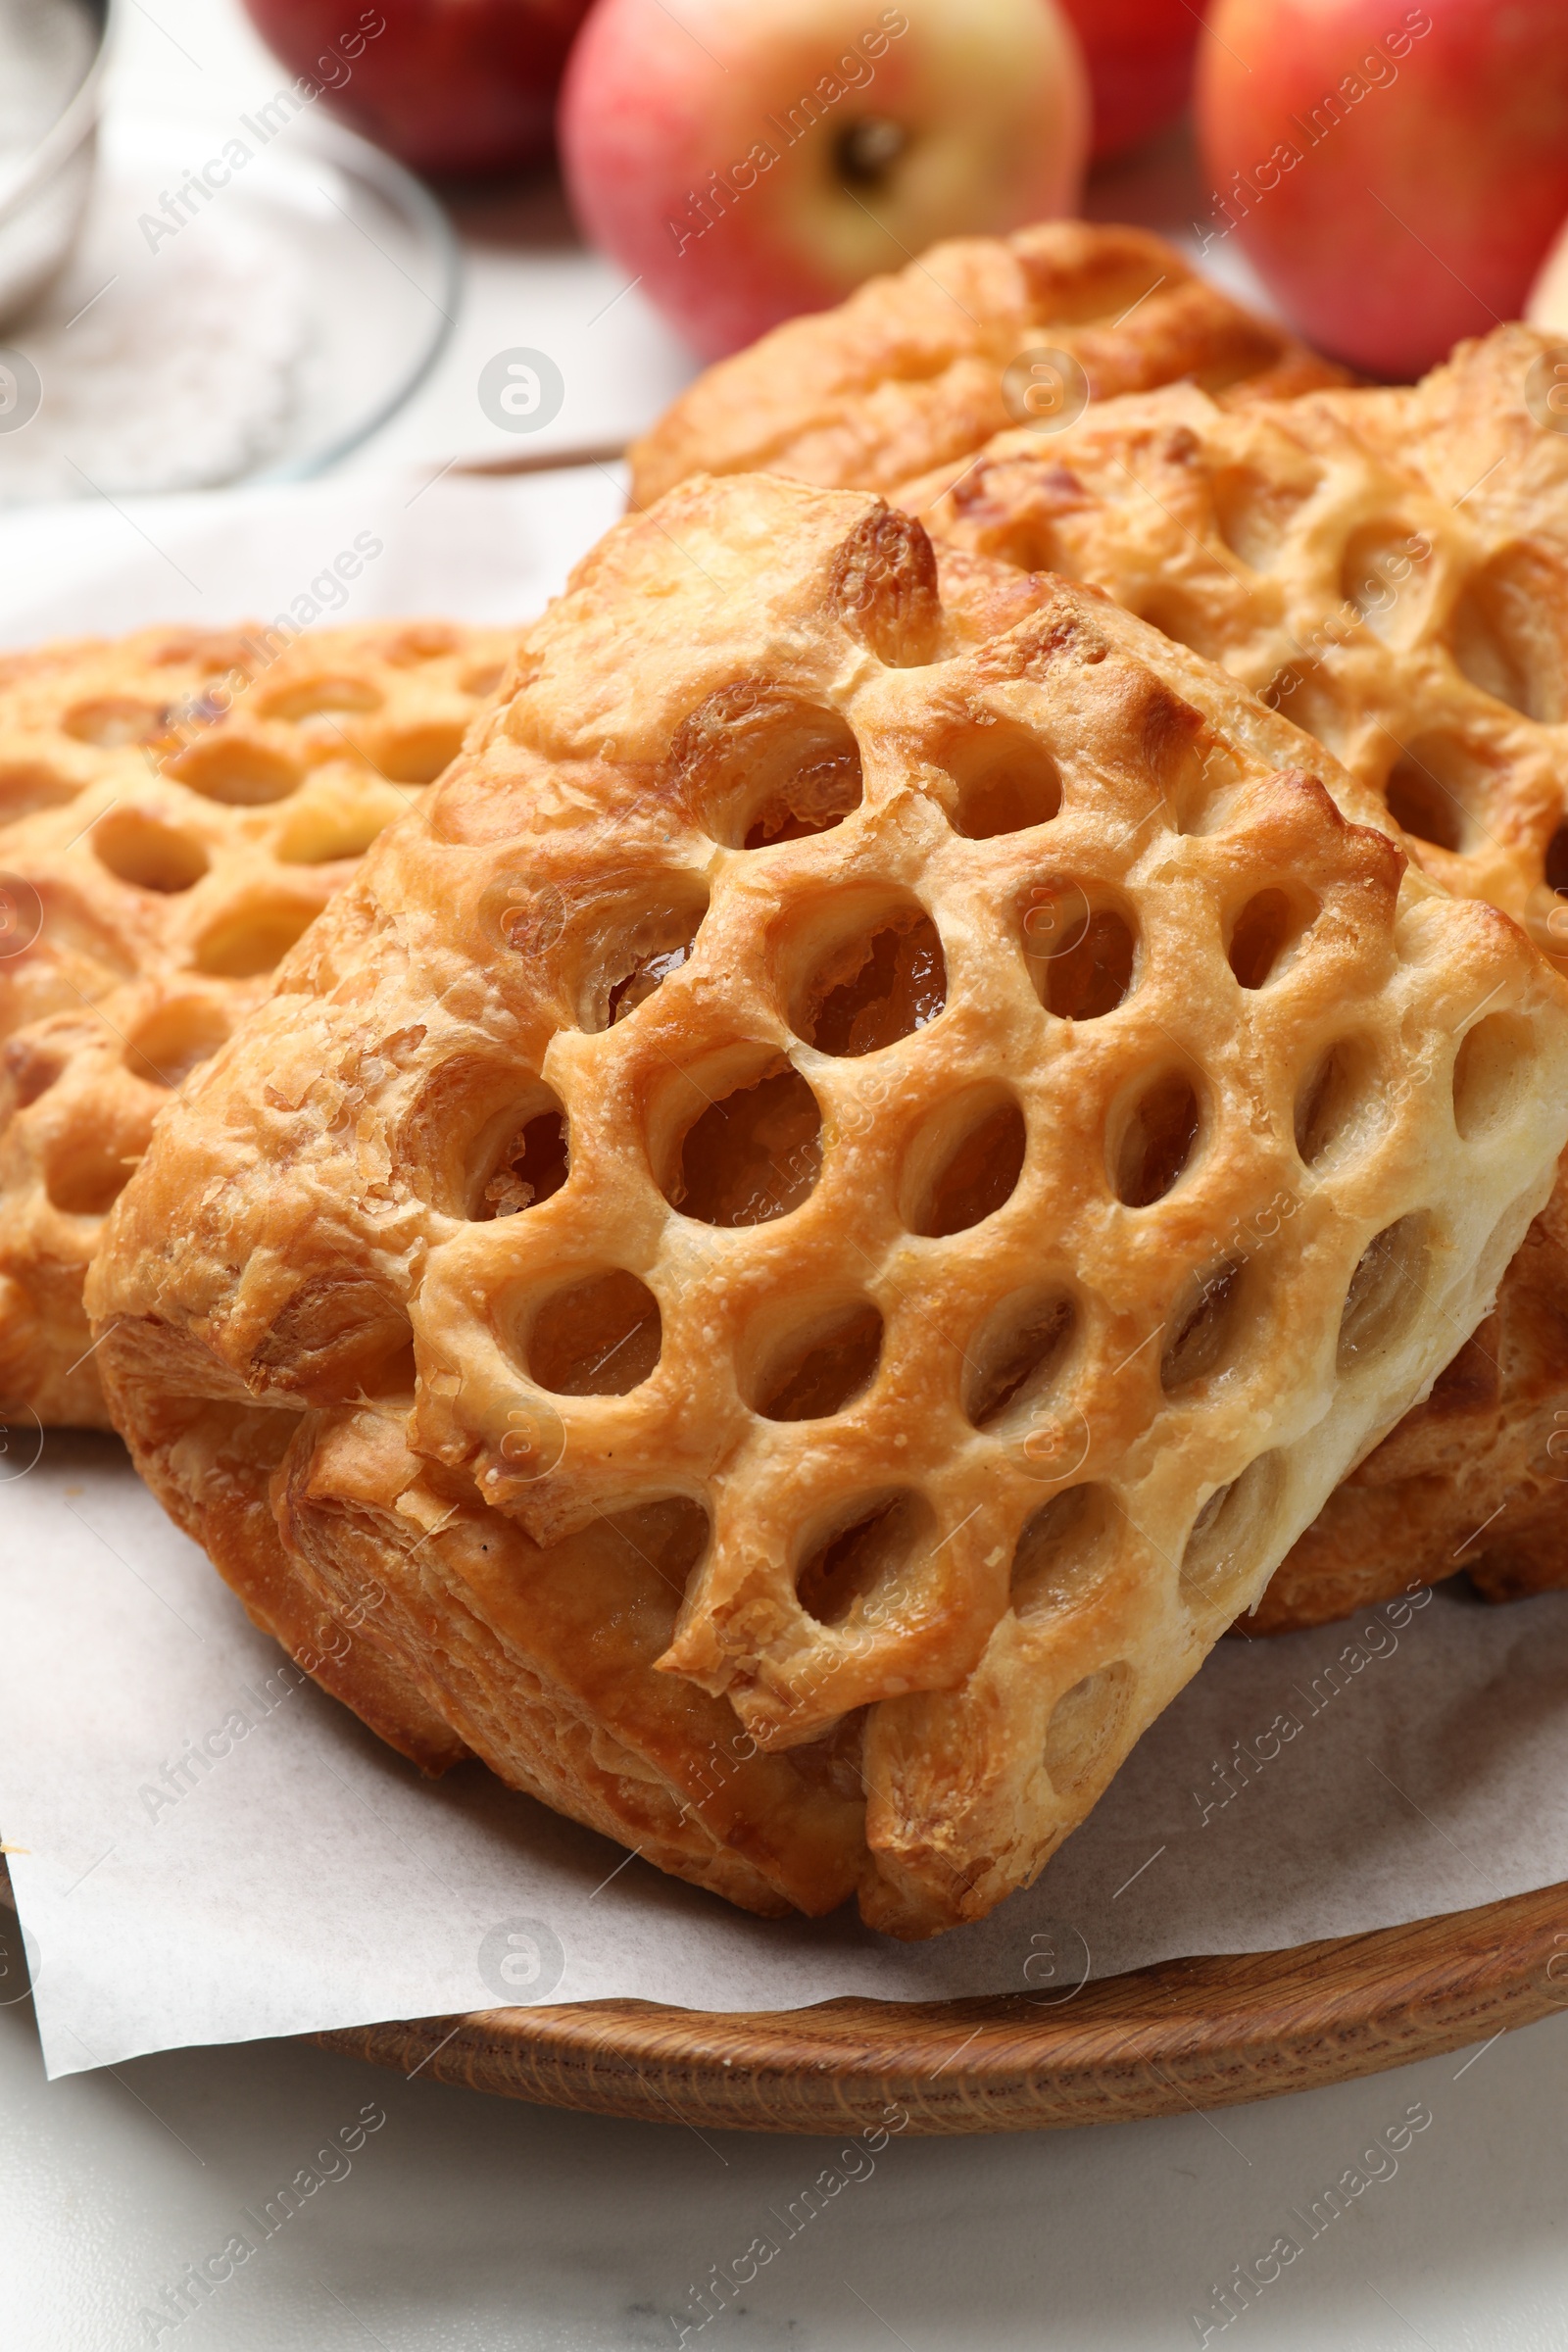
(1247, 533)
(174, 809)
(910, 371)
(941, 1152)
(1473, 1480)
(1426, 650)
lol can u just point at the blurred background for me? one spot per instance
(263, 241)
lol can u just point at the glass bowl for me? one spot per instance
(44, 194)
(251, 299)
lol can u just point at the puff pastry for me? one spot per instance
(1475, 1480)
(175, 807)
(907, 372)
(804, 1236)
(1390, 567)
(1424, 642)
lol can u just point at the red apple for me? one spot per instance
(1394, 173)
(749, 158)
(1140, 57)
(455, 87)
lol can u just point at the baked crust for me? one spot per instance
(1390, 568)
(768, 1481)
(175, 807)
(1476, 1479)
(907, 372)
(1424, 642)
(1479, 430)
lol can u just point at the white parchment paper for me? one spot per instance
(210, 1849)
(206, 1848)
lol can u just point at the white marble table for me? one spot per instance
(467, 2223)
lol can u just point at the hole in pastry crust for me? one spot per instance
(1308, 701)
(240, 773)
(78, 940)
(1006, 782)
(31, 1065)
(1061, 1551)
(1378, 575)
(875, 986)
(647, 973)
(29, 785)
(763, 768)
(1084, 1725)
(1230, 1537)
(111, 721)
(252, 939)
(471, 1122)
(1267, 927)
(643, 958)
(88, 1174)
(307, 698)
(819, 1365)
(418, 755)
(859, 1571)
(1422, 804)
(754, 1154)
(1155, 1142)
(1017, 1356)
(623, 949)
(338, 814)
(420, 641)
(597, 1337)
(1556, 860)
(1092, 975)
(532, 1163)
(965, 1163)
(150, 855)
(1384, 1293)
(175, 1039)
(1253, 513)
(1336, 1111)
(1200, 1334)
(1491, 1072)
(1506, 635)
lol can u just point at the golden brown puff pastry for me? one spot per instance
(907, 374)
(1278, 543)
(1476, 1479)
(1483, 430)
(803, 1237)
(1415, 620)
(175, 807)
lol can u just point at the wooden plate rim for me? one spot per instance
(1205, 2031)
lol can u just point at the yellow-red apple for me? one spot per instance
(1394, 173)
(749, 159)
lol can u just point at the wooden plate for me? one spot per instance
(1193, 2033)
